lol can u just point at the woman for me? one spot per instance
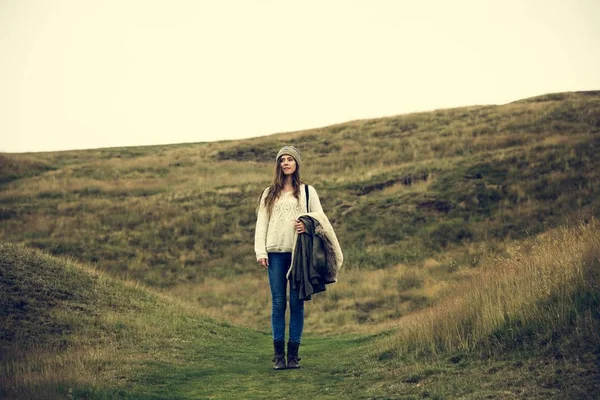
(277, 225)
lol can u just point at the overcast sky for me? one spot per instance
(78, 74)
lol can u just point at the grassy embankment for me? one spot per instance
(413, 198)
(425, 206)
(526, 327)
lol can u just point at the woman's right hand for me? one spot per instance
(264, 262)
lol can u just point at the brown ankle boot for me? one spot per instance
(292, 356)
(279, 355)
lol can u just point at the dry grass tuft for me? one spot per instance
(546, 294)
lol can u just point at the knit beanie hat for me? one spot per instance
(291, 151)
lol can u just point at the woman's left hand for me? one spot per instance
(299, 226)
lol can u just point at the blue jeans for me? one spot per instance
(279, 263)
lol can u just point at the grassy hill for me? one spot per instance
(70, 330)
(526, 330)
(470, 239)
(412, 198)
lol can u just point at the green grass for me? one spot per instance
(69, 331)
(421, 192)
(64, 324)
(419, 185)
(430, 208)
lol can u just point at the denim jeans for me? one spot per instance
(279, 263)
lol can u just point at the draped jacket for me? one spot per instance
(316, 258)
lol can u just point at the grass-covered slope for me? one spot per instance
(13, 168)
(68, 330)
(398, 189)
(525, 326)
(527, 330)
(412, 198)
(529, 322)
(543, 297)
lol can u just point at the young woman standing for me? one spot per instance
(277, 221)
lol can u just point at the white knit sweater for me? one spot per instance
(275, 232)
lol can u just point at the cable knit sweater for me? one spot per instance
(275, 232)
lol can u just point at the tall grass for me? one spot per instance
(544, 296)
(43, 374)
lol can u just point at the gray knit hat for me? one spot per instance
(291, 151)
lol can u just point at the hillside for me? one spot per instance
(413, 198)
(399, 189)
(71, 332)
(528, 330)
(67, 329)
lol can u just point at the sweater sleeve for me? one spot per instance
(262, 225)
(315, 202)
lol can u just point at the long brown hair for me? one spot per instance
(274, 191)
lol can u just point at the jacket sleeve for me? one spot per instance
(262, 226)
(315, 203)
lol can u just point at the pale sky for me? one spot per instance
(78, 74)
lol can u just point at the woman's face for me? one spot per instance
(287, 164)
